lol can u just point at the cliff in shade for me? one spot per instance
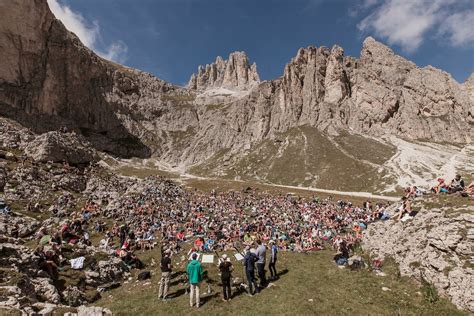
(49, 79)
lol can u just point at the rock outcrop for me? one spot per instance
(48, 80)
(436, 245)
(468, 85)
(107, 271)
(233, 73)
(17, 226)
(61, 147)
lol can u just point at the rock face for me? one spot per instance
(436, 245)
(61, 147)
(49, 79)
(233, 73)
(469, 86)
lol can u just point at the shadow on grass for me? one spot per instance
(207, 298)
(282, 272)
(177, 274)
(177, 294)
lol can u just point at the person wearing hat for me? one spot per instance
(249, 264)
(165, 266)
(273, 259)
(225, 266)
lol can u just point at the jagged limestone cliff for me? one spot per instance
(49, 79)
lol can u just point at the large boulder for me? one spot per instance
(17, 226)
(73, 183)
(61, 147)
(73, 296)
(45, 291)
(435, 246)
(19, 258)
(92, 311)
(107, 271)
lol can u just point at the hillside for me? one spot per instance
(308, 280)
(436, 246)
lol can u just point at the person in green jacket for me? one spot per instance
(194, 270)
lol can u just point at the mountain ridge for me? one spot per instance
(131, 113)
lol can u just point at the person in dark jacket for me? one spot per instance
(226, 268)
(249, 264)
(273, 260)
(165, 266)
(123, 234)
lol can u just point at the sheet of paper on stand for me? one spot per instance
(207, 259)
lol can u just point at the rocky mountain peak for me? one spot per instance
(233, 73)
(374, 52)
(469, 86)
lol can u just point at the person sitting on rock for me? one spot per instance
(457, 185)
(405, 208)
(441, 187)
(67, 235)
(130, 259)
(47, 261)
(469, 190)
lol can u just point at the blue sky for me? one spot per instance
(170, 38)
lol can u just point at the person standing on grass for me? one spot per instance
(165, 266)
(261, 254)
(226, 268)
(273, 259)
(194, 271)
(249, 264)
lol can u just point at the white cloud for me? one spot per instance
(407, 22)
(368, 3)
(459, 28)
(88, 33)
(117, 51)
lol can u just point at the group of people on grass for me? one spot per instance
(164, 212)
(254, 259)
(208, 222)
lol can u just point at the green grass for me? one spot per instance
(305, 156)
(130, 171)
(313, 285)
(222, 185)
(366, 149)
